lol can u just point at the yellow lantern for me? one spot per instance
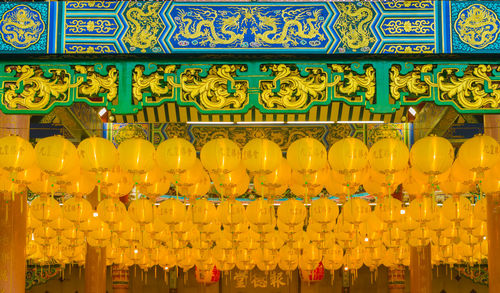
(378, 189)
(454, 188)
(198, 188)
(220, 155)
(28, 176)
(16, 153)
(432, 155)
(77, 210)
(479, 153)
(416, 189)
(388, 210)
(456, 209)
(189, 177)
(339, 190)
(422, 210)
(261, 156)
(231, 212)
(280, 176)
(176, 155)
(203, 212)
(172, 211)
(356, 210)
(307, 155)
(348, 155)
(289, 259)
(45, 209)
(304, 191)
(489, 185)
(230, 179)
(462, 174)
(82, 185)
(89, 225)
(56, 155)
(260, 212)
(324, 211)
(292, 212)
(310, 257)
(136, 155)
(60, 224)
(97, 155)
(480, 210)
(236, 188)
(389, 155)
(141, 211)
(111, 211)
(267, 191)
(117, 184)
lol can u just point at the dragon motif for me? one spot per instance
(353, 25)
(34, 90)
(145, 25)
(293, 28)
(21, 26)
(206, 27)
(477, 26)
(212, 92)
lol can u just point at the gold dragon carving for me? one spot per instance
(34, 91)
(154, 84)
(98, 84)
(295, 91)
(218, 90)
(291, 28)
(145, 25)
(353, 25)
(206, 27)
(472, 88)
(353, 83)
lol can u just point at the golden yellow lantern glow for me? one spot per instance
(462, 174)
(454, 188)
(422, 210)
(388, 210)
(324, 211)
(176, 155)
(261, 156)
(16, 153)
(45, 209)
(220, 155)
(141, 211)
(231, 212)
(348, 155)
(111, 211)
(432, 155)
(82, 185)
(203, 212)
(260, 212)
(56, 155)
(172, 211)
(307, 155)
(292, 212)
(136, 155)
(457, 209)
(77, 210)
(479, 153)
(97, 154)
(233, 184)
(389, 155)
(356, 210)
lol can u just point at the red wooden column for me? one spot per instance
(492, 128)
(13, 227)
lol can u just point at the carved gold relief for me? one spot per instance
(292, 90)
(353, 25)
(472, 89)
(353, 84)
(97, 84)
(217, 90)
(36, 89)
(153, 87)
(145, 25)
(411, 82)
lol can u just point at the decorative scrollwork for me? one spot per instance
(37, 89)
(408, 4)
(471, 89)
(98, 85)
(89, 49)
(418, 26)
(410, 83)
(153, 87)
(218, 90)
(292, 90)
(353, 85)
(408, 49)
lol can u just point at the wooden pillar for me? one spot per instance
(492, 128)
(95, 261)
(13, 227)
(420, 269)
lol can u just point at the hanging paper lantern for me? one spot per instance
(432, 155)
(307, 155)
(479, 153)
(111, 211)
(289, 259)
(27, 176)
(454, 188)
(136, 155)
(348, 155)
(198, 188)
(461, 174)
(203, 212)
(117, 184)
(16, 153)
(388, 210)
(457, 209)
(77, 210)
(356, 210)
(480, 211)
(141, 211)
(261, 156)
(220, 155)
(176, 155)
(56, 155)
(280, 176)
(45, 209)
(233, 188)
(231, 212)
(97, 155)
(312, 276)
(172, 211)
(82, 185)
(260, 212)
(292, 212)
(323, 211)
(422, 210)
(389, 155)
